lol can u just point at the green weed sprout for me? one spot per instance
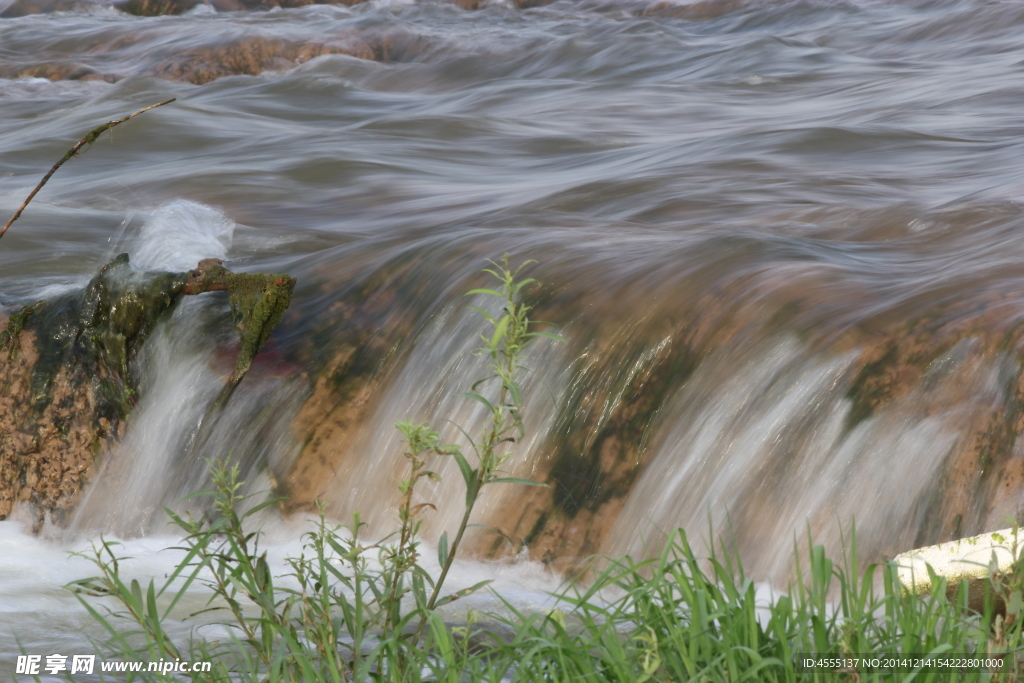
(504, 347)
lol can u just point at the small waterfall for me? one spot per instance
(442, 364)
(184, 366)
(759, 406)
(158, 461)
(758, 446)
(782, 241)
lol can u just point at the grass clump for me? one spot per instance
(348, 609)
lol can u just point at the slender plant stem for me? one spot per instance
(488, 454)
(90, 138)
(450, 559)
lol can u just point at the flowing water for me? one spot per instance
(783, 243)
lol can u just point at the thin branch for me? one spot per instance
(87, 140)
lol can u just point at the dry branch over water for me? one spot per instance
(90, 138)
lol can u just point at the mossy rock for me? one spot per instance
(66, 368)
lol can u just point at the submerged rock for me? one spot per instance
(21, 8)
(254, 55)
(199, 64)
(155, 8)
(66, 380)
(632, 368)
(152, 8)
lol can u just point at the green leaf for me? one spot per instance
(448, 450)
(1014, 605)
(477, 397)
(515, 392)
(499, 331)
(548, 335)
(204, 492)
(483, 291)
(265, 504)
(499, 532)
(482, 312)
(137, 595)
(483, 380)
(442, 549)
(472, 489)
(419, 589)
(468, 473)
(461, 594)
(262, 574)
(151, 604)
(523, 283)
(514, 480)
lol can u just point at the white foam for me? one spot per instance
(56, 289)
(181, 233)
(45, 618)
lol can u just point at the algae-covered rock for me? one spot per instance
(66, 382)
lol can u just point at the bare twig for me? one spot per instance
(87, 140)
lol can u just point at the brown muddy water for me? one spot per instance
(783, 241)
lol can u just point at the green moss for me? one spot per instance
(257, 302)
(95, 334)
(120, 309)
(11, 336)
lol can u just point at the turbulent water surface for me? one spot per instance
(782, 240)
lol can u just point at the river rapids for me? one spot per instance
(782, 240)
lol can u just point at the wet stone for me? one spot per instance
(66, 379)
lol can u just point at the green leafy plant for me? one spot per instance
(504, 347)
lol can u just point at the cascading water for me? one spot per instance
(782, 242)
